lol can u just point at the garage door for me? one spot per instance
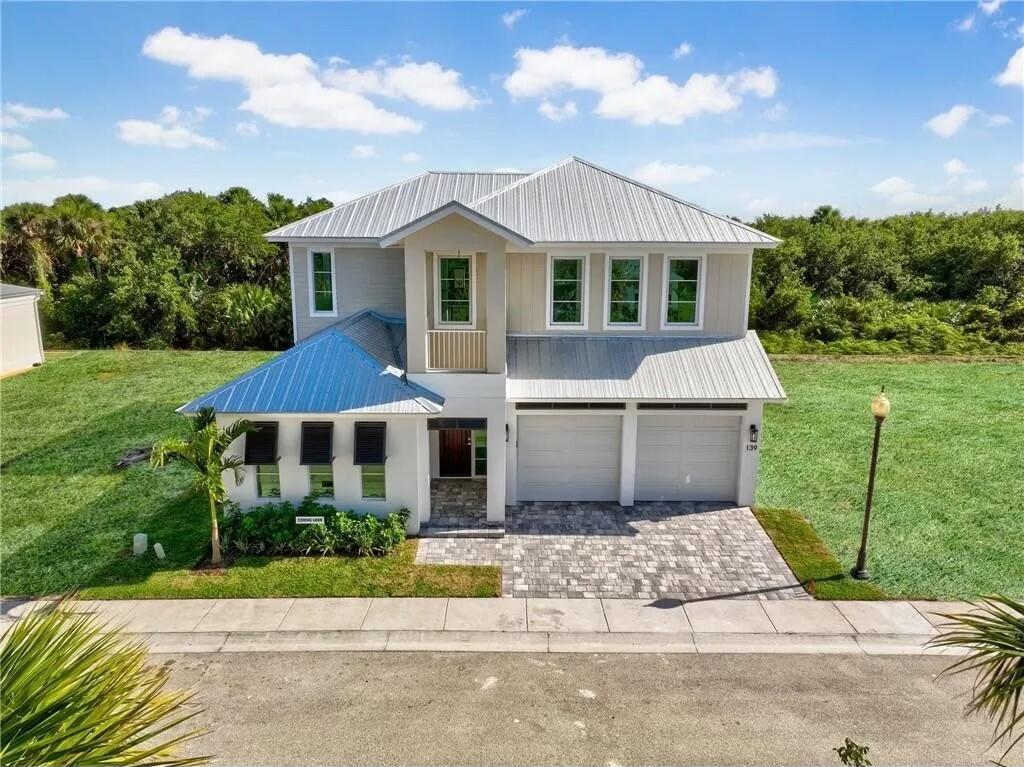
(686, 458)
(568, 457)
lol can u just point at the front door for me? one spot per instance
(456, 452)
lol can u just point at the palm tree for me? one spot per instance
(73, 692)
(993, 635)
(204, 452)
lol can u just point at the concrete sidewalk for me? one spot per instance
(520, 625)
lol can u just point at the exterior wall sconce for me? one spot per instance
(506, 432)
(754, 432)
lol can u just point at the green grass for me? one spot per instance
(68, 517)
(948, 519)
(809, 558)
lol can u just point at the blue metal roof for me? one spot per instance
(329, 372)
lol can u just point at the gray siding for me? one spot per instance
(364, 278)
(725, 296)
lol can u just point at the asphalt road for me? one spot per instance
(453, 708)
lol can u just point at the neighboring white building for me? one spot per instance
(566, 335)
(21, 339)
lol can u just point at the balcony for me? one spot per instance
(457, 350)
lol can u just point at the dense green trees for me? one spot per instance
(191, 270)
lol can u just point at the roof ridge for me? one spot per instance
(481, 172)
(523, 180)
(672, 197)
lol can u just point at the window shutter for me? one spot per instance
(261, 445)
(370, 443)
(316, 444)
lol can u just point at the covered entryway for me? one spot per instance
(687, 457)
(568, 457)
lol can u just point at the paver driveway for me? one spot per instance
(680, 550)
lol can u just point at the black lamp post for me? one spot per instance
(880, 410)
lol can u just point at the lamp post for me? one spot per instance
(880, 410)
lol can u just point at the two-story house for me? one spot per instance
(565, 335)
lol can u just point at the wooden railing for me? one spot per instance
(464, 350)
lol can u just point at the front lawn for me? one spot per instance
(948, 519)
(68, 516)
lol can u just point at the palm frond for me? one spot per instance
(993, 635)
(72, 694)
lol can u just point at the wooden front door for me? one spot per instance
(456, 452)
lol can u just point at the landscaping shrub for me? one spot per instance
(271, 529)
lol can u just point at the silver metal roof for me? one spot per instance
(329, 372)
(572, 201)
(649, 367)
(17, 291)
(379, 213)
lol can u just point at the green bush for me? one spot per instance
(271, 529)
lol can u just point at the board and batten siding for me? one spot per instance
(725, 295)
(364, 278)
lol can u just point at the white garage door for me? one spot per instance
(568, 457)
(686, 457)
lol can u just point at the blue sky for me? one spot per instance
(742, 108)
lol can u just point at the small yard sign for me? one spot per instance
(309, 520)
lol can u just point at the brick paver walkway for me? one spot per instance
(683, 551)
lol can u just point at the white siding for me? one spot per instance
(20, 345)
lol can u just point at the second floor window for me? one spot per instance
(624, 291)
(322, 282)
(455, 290)
(682, 294)
(567, 291)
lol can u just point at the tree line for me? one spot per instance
(192, 271)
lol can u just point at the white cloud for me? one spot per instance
(762, 204)
(1014, 197)
(411, 157)
(285, 89)
(966, 24)
(1013, 75)
(427, 84)
(512, 18)
(341, 196)
(974, 185)
(902, 194)
(104, 190)
(955, 167)
(15, 115)
(173, 130)
(775, 112)
(683, 49)
(363, 151)
(658, 173)
(949, 123)
(785, 141)
(14, 142)
(625, 94)
(558, 113)
(32, 161)
(247, 129)
(997, 121)
(988, 7)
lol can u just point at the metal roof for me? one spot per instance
(379, 213)
(571, 201)
(329, 373)
(648, 367)
(17, 291)
(383, 338)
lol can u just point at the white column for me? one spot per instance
(510, 455)
(421, 513)
(627, 462)
(496, 450)
(750, 455)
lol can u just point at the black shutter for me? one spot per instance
(316, 444)
(371, 443)
(261, 445)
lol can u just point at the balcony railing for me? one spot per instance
(462, 350)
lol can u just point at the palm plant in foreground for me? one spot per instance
(204, 451)
(71, 694)
(993, 635)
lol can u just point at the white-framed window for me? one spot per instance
(625, 286)
(479, 452)
(567, 291)
(373, 482)
(683, 295)
(321, 480)
(322, 294)
(268, 481)
(454, 290)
